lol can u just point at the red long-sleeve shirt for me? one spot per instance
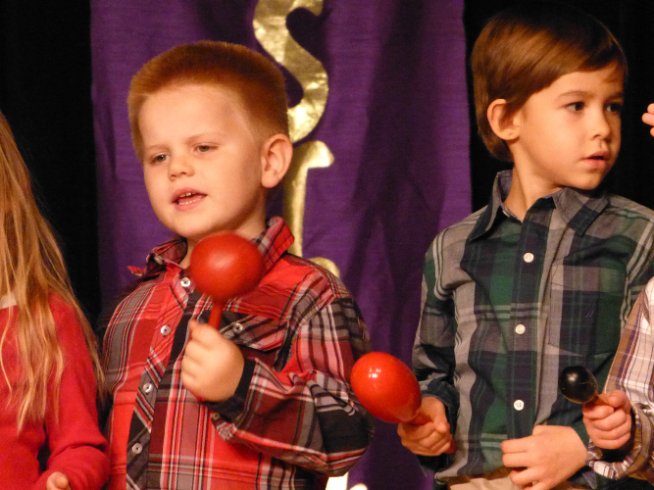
(293, 419)
(76, 446)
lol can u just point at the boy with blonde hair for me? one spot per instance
(544, 275)
(264, 402)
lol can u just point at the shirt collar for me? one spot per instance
(578, 209)
(273, 242)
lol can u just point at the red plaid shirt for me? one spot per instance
(293, 419)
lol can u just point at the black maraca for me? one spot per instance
(578, 385)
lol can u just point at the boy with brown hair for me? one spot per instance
(544, 275)
(265, 401)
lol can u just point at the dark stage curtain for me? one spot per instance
(45, 93)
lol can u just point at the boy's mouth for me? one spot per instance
(187, 198)
(600, 155)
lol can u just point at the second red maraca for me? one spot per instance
(225, 265)
(387, 388)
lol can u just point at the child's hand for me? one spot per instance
(551, 455)
(57, 481)
(609, 423)
(432, 438)
(212, 365)
(648, 118)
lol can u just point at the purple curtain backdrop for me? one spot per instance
(396, 122)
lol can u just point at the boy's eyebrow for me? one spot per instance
(202, 135)
(584, 93)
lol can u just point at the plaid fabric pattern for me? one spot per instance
(293, 419)
(508, 304)
(633, 373)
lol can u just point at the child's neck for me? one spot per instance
(524, 192)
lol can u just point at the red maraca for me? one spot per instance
(225, 265)
(387, 388)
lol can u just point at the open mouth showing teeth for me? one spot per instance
(188, 198)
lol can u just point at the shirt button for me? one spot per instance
(137, 448)
(528, 257)
(519, 405)
(165, 330)
(215, 416)
(185, 282)
(520, 329)
(147, 387)
(238, 327)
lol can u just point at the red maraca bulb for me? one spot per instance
(225, 265)
(386, 387)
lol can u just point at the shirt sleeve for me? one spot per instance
(305, 412)
(433, 349)
(633, 372)
(77, 447)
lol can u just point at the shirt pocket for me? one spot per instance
(586, 297)
(258, 336)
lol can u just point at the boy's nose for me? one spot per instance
(602, 126)
(179, 166)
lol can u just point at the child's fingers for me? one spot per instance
(618, 400)
(524, 478)
(612, 442)
(57, 481)
(597, 411)
(423, 439)
(511, 446)
(617, 419)
(207, 336)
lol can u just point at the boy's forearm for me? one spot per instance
(305, 413)
(309, 422)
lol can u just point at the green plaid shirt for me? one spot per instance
(508, 304)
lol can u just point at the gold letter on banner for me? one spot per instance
(270, 30)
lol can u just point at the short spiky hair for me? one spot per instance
(257, 81)
(527, 47)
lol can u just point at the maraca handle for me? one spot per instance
(216, 313)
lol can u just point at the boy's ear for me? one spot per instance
(502, 125)
(276, 155)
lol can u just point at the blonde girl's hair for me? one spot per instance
(32, 270)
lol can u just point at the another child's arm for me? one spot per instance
(303, 412)
(648, 118)
(77, 447)
(631, 385)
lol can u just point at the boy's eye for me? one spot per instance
(204, 148)
(614, 107)
(576, 106)
(158, 158)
